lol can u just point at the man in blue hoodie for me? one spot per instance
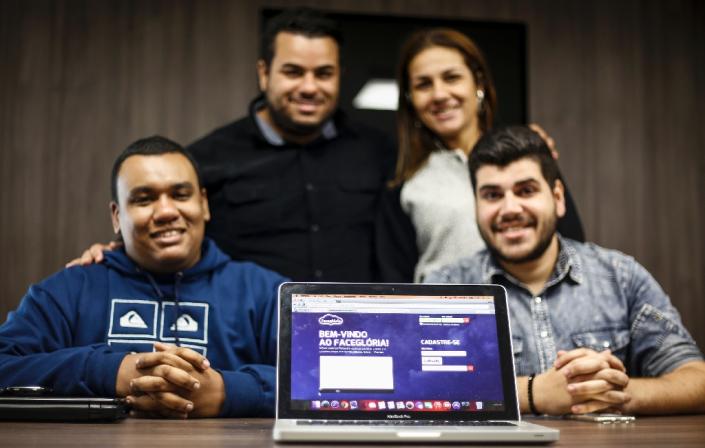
(168, 321)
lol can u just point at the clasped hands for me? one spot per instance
(582, 381)
(172, 382)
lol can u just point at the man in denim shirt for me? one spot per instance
(592, 330)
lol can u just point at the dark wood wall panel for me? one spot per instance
(620, 85)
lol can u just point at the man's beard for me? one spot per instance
(539, 249)
(284, 122)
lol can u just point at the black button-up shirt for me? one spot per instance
(305, 211)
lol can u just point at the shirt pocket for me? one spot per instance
(614, 339)
(358, 194)
(253, 207)
(521, 364)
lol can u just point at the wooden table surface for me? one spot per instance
(678, 431)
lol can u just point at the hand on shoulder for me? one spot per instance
(93, 254)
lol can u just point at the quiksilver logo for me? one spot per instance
(330, 319)
(132, 319)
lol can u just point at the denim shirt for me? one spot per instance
(596, 298)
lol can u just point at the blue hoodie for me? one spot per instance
(72, 330)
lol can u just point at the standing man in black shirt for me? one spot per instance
(294, 186)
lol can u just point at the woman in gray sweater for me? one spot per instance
(447, 101)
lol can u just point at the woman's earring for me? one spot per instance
(480, 94)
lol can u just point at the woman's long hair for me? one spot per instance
(416, 141)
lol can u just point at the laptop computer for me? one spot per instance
(31, 404)
(397, 362)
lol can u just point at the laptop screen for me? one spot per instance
(411, 350)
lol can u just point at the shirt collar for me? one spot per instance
(460, 155)
(328, 131)
(490, 268)
(567, 265)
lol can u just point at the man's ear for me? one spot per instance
(262, 75)
(559, 198)
(115, 217)
(204, 205)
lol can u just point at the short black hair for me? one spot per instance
(150, 146)
(303, 21)
(507, 144)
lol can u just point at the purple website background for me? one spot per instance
(478, 338)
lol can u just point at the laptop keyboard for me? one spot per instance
(405, 422)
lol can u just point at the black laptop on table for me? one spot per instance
(33, 403)
(397, 362)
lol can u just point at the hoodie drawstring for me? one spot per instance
(177, 281)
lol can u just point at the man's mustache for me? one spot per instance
(507, 222)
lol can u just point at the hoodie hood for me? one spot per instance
(212, 258)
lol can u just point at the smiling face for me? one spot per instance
(517, 210)
(444, 95)
(301, 84)
(161, 212)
